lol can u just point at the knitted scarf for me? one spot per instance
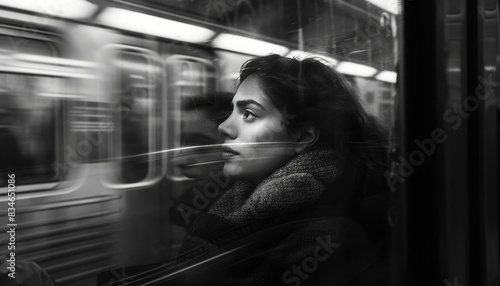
(297, 184)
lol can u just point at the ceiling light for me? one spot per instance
(300, 55)
(74, 9)
(156, 26)
(387, 76)
(356, 69)
(246, 45)
(391, 6)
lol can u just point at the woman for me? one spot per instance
(302, 152)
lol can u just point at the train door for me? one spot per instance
(194, 166)
(135, 167)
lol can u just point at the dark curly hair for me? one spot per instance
(310, 90)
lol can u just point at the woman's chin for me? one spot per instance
(233, 171)
(229, 171)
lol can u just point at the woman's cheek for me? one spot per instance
(267, 134)
(251, 153)
(266, 137)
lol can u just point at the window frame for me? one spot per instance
(174, 102)
(45, 66)
(153, 175)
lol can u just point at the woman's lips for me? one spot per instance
(228, 153)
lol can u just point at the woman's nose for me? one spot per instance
(227, 129)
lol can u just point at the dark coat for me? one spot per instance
(300, 226)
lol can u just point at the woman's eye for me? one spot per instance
(248, 115)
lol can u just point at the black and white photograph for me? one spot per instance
(249, 142)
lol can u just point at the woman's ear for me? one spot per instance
(307, 137)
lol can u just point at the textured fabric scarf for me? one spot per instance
(299, 183)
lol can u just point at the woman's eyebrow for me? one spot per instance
(243, 103)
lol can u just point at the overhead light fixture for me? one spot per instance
(246, 45)
(300, 55)
(355, 69)
(74, 9)
(387, 76)
(152, 25)
(391, 6)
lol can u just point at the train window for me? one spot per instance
(137, 116)
(27, 46)
(19, 39)
(30, 117)
(195, 112)
(381, 104)
(28, 126)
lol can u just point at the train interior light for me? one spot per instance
(156, 26)
(387, 76)
(355, 69)
(74, 9)
(391, 6)
(247, 45)
(302, 55)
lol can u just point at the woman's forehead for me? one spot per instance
(250, 89)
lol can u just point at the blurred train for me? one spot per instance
(109, 112)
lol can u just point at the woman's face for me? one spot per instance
(256, 140)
